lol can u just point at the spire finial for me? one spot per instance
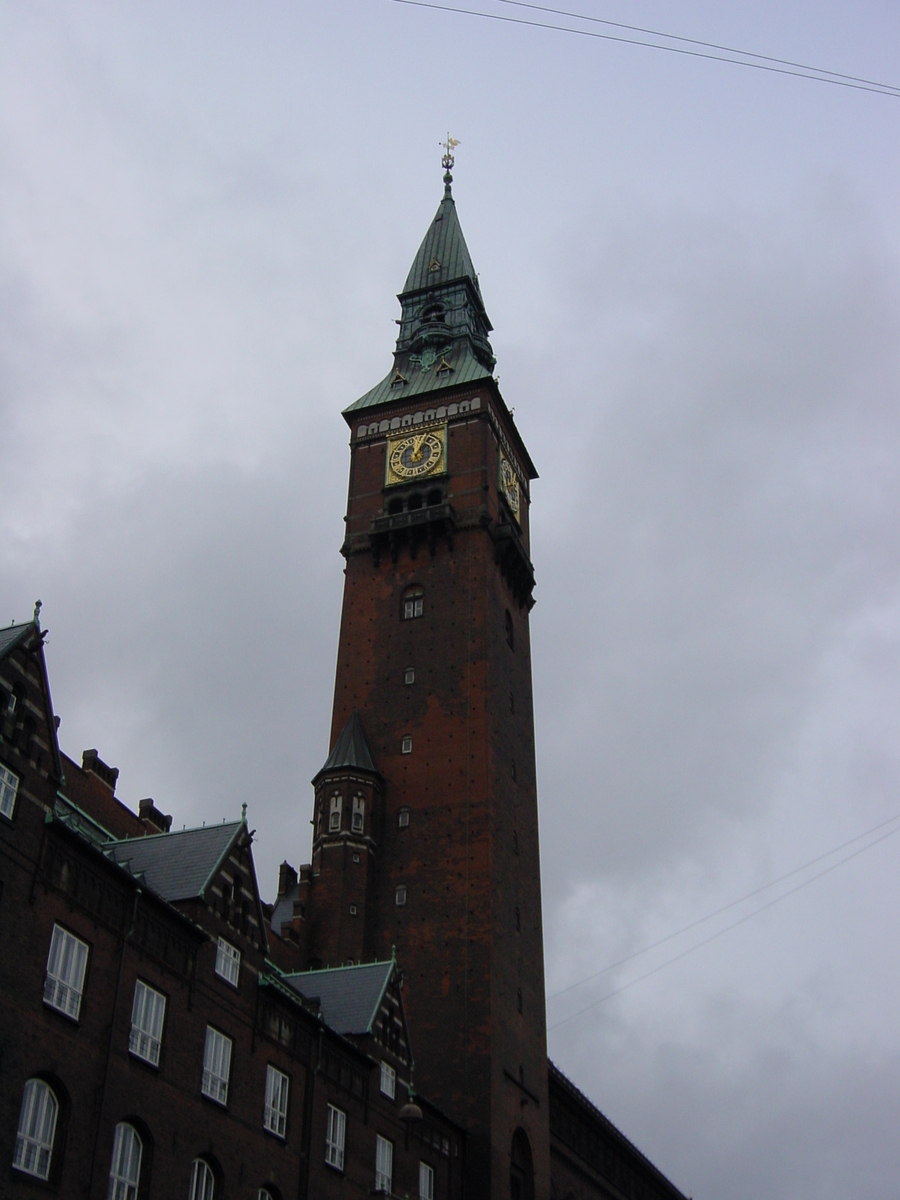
(448, 160)
(37, 614)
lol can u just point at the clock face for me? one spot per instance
(509, 486)
(414, 456)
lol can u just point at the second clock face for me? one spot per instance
(414, 456)
(509, 486)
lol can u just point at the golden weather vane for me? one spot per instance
(449, 146)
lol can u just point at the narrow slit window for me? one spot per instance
(334, 813)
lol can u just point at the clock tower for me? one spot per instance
(425, 828)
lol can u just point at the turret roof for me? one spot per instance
(351, 749)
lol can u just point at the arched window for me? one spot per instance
(37, 1128)
(395, 507)
(334, 813)
(521, 1168)
(510, 633)
(434, 312)
(413, 603)
(434, 497)
(414, 503)
(359, 813)
(203, 1181)
(125, 1171)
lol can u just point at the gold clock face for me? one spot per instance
(415, 456)
(509, 486)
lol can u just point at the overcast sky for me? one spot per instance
(206, 211)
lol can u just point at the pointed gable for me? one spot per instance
(364, 1000)
(27, 724)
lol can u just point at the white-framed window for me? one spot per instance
(125, 1171)
(203, 1182)
(384, 1163)
(216, 1065)
(413, 603)
(335, 1129)
(400, 895)
(426, 1182)
(147, 1014)
(406, 745)
(359, 814)
(9, 787)
(388, 1080)
(37, 1128)
(228, 962)
(334, 813)
(275, 1111)
(66, 965)
(403, 818)
(409, 675)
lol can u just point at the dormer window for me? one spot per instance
(359, 814)
(334, 813)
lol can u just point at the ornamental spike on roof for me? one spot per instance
(444, 327)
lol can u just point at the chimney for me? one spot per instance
(150, 815)
(93, 764)
(287, 878)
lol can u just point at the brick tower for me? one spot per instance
(425, 828)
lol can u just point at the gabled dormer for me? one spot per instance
(207, 873)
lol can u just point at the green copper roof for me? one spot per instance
(444, 327)
(443, 256)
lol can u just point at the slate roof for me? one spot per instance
(177, 866)
(351, 749)
(12, 635)
(349, 997)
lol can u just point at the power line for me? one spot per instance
(712, 937)
(674, 37)
(820, 75)
(726, 907)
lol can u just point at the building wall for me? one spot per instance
(51, 873)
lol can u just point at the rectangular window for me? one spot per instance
(9, 786)
(228, 962)
(384, 1164)
(334, 1137)
(403, 818)
(147, 1015)
(275, 1114)
(400, 895)
(409, 675)
(216, 1065)
(388, 1080)
(65, 973)
(426, 1182)
(406, 746)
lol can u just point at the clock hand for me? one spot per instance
(417, 447)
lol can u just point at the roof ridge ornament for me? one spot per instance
(448, 161)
